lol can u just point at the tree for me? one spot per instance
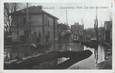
(9, 8)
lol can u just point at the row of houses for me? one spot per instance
(33, 23)
(104, 33)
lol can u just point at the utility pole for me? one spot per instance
(65, 32)
(66, 17)
(83, 31)
(27, 28)
(54, 33)
(111, 10)
(43, 30)
(96, 31)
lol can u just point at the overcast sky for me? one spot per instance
(80, 11)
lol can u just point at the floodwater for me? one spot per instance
(89, 63)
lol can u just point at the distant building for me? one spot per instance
(89, 34)
(33, 23)
(108, 31)
(63, 31)
(101, 34)
(77, 31)
(62, 27)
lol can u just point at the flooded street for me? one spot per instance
(90, 62)
(57, 35)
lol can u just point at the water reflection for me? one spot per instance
(69, 46)
(101, 54)
(89, 63)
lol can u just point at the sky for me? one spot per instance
(82, 11)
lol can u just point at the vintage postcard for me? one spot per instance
(57, 35)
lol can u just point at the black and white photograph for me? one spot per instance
(58, 36)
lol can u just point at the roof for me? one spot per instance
(32, 10)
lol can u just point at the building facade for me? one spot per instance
(33, 24)
(108, 31)
(77, 31)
